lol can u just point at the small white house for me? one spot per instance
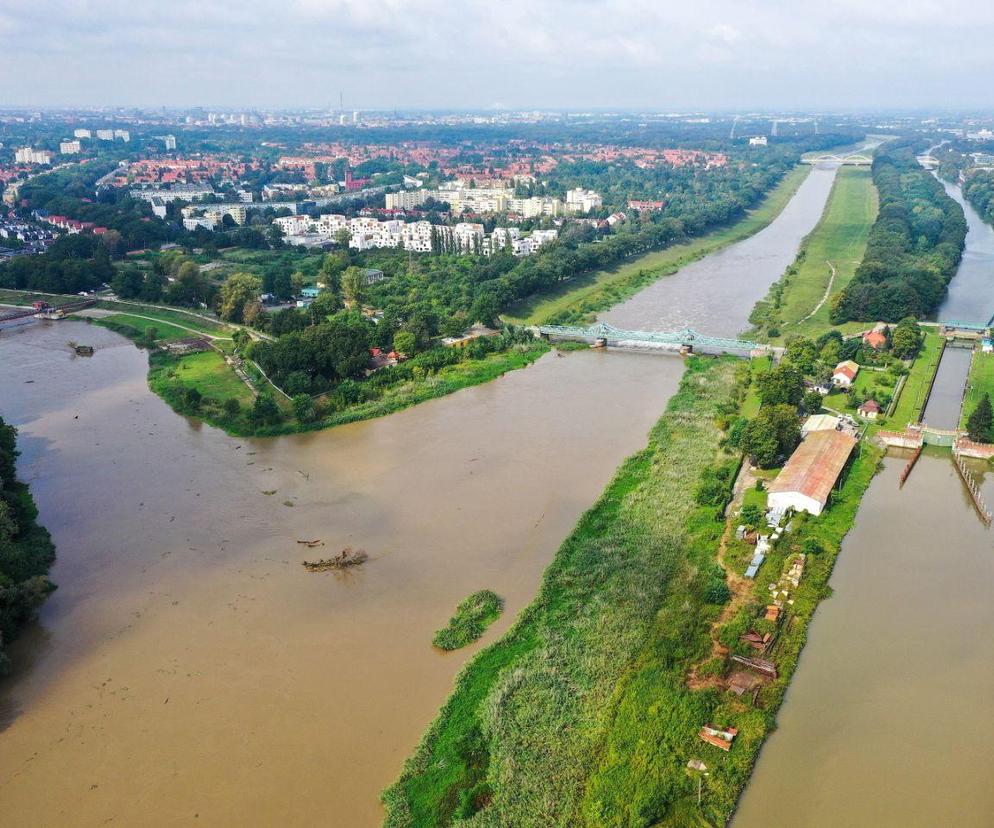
(844, 374)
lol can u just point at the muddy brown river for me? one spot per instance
(189, 669)
(188, 666)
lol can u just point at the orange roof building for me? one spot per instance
(809, 475)
(875, 339)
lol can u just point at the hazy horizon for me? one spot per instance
(429, 55)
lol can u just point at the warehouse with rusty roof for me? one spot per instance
(809, 475)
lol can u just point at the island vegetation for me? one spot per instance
(473, 615)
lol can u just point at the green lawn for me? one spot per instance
(179, 318)
(867, 382)
(591, 292)
(980, 382)
(211, 376)
(164, 332)
(797, 304)
(912, 399)
(757, 366)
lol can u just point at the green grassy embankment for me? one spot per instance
(913, 395)
(800, 302)
(587, 293)
(980, 382)
(473, 615)
(525, 725)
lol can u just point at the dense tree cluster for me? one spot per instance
(914, 246)
(979, 191)
(26, 551)
(311, 359)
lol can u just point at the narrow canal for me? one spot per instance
(886, 721)
(189, 668)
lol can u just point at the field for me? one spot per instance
(800, 302)
(164, 331)
(591, 292)
(194, 323)
(980, 382)
(912, 399)
(211, 376)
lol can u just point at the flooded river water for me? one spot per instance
(188, 664)
(189, 668)
(716, 294)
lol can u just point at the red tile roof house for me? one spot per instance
(845, 373)
(875, 339)
(869, 410)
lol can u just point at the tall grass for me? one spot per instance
(517, 740)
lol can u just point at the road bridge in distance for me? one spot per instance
(683, 341)
(851, 160)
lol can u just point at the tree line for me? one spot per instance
(26, 550)
(914, 246)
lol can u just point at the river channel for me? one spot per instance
(887, 720)
(716, 294)
(189, 668)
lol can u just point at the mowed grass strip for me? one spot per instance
(598, 290)
(164, 331)
(980, 382)
(839, 238)
(525, 725)
(912, 400)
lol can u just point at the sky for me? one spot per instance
(467, 54)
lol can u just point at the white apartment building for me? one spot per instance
(70, 147)
(758, 141)
(468, 237)
(579, 200)
(82, 133)
(195, 222)
(27, 155)
(123, 134)
(536, 206)
(407, 199)
(187, 192)
(169, 141)
(105, 135)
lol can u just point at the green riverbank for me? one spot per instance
(582, 714)
(799, 303)
(588, 293)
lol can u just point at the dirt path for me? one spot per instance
(739, 586)
(828, 292)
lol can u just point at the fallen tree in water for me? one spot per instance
(343, 560)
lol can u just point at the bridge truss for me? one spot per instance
(651, 340)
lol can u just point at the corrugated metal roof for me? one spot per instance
(815, 465)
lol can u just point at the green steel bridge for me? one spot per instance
(607, 335)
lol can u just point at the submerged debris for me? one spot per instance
(343, 560)
(310, 544)
(81, 350)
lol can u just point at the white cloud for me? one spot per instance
(525, 52)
